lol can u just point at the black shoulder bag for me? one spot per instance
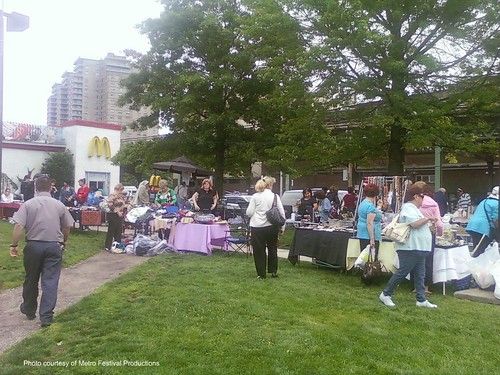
(274, 215)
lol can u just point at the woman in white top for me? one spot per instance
(7, 196)
(263, 233)
(413, 252)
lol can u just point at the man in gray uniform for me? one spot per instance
(47, 223)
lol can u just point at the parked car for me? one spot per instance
(234, 201)
(234, 204)
(291, 199)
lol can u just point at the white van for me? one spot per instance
(130, 191)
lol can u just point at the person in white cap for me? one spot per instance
(484, 223)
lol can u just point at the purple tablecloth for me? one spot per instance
(199, 237)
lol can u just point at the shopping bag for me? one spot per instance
(481, 266)
(362, 258)
(395, 231)
(373, 270)
(495, 272)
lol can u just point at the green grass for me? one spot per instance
(210, 315)
(285, 239)
(81, 245)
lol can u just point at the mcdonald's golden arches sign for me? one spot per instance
(99, 147)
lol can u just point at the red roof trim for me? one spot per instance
(92, 124)
(33, 146)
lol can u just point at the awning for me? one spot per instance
(181, 165)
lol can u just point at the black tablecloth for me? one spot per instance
(325, 246)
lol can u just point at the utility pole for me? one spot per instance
(15, 22)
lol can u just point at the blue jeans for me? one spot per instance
(409, 260)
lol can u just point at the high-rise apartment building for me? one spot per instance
(91, 92)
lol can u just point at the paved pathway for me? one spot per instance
(76, 282)
(478, 295)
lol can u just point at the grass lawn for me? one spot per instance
(210, 315)
(285, 239)
(81, 245)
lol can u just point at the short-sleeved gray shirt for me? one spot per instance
(43, 217)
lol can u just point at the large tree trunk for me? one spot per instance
(396, 152)
(219, 171)
(220, 158)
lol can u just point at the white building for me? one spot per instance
(92, 144)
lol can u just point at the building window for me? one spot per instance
(99, 181)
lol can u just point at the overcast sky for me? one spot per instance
(60, 32)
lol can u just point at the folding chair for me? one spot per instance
(237, 238)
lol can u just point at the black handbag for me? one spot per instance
(274, 215)
(373, 271)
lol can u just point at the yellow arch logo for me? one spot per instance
(99, 147)
(154, 181)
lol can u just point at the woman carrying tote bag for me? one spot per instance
(413, 252)
(263, 232)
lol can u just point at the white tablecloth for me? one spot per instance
(450, 263)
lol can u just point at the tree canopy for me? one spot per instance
(136, 158)
(244, 80)
(213, 73)
(60, 167)
(401, 56)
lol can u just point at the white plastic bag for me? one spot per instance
(482, 266)
(363, 257)
(495, 272)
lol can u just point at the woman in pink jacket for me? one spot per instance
(430, 209)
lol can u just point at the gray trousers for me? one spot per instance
(41, 260)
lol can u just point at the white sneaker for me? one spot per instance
(426, 304)
(386, 300)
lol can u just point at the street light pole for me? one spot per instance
(15, 22)
(1, 98)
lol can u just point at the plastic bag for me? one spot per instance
(482, 266)
(161, 248)
(129, 249)
(138, 214)
(143, 243)
(495, 272)
(363, 257)
(118, 247)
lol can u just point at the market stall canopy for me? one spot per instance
(181, 165)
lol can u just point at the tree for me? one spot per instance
(477, 130)
(399, 55)
(136, 159)
(213, 72)
(60, 167)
